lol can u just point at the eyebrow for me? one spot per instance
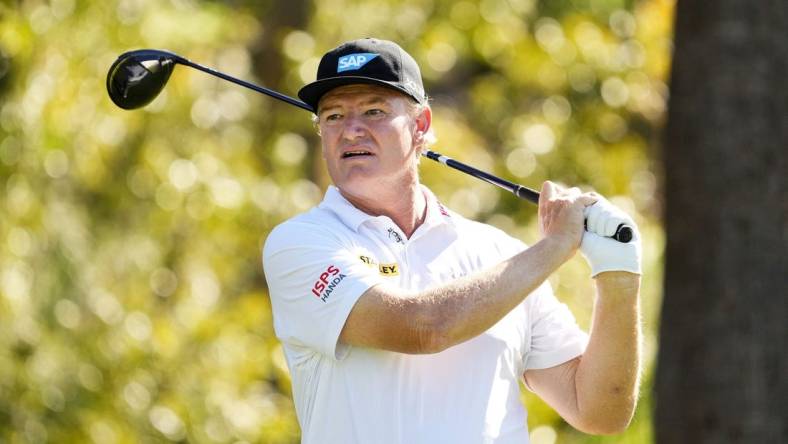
(374, 100)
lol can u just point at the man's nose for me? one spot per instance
(353, 127)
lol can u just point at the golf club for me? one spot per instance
(137, 77)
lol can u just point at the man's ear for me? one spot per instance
(423, 123)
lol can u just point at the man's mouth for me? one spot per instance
(355, 153)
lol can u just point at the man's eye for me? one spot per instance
(332, 117)
(375, 112)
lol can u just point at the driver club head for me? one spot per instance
(137, 77)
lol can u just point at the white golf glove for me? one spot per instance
(602, 252)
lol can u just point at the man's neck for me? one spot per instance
(406, 209)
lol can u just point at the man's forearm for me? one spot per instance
(428, 321)
(607, 376)
(468, 307)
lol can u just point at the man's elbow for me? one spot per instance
(431, 331)
(399, 322)
(607, 421)
(607, 426)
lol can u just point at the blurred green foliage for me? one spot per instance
(132, 302)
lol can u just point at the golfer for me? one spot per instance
(402, 321)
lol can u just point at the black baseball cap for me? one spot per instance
(372, 61)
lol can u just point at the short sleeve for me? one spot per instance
(555, 336)
(314, 281)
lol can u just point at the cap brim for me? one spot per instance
(313, 92)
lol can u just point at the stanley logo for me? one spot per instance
(384, 269)
(367, 260)
(389, 269)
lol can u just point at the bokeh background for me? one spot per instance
(133, 306)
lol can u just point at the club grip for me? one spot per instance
(623, 234)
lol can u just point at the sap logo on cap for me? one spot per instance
(354, 61)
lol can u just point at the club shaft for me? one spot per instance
(623, 232)
(518, 190)
(252, 86)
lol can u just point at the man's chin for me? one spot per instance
(358, 187)
(358, 179)
(362, 185)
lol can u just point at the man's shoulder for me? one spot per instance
(315, 224)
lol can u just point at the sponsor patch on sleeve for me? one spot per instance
(327, 282)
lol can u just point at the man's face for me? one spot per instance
(369, 138)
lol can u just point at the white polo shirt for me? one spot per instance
(319, 263)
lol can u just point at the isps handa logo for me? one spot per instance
(327, 282)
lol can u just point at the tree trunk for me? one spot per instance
(723, 358)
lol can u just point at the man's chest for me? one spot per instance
(423, 262)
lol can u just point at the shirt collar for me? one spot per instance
(437, 214)
(352, 217)
(335, 202)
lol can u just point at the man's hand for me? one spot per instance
(561, 215)
(602, 252)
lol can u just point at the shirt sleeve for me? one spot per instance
(313, 281)
(555, 336)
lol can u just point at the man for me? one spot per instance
(403, 322)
